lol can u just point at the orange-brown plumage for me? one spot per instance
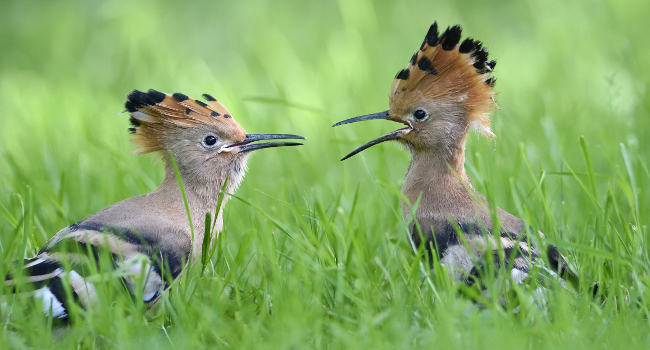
(156, 115)
(451, 73)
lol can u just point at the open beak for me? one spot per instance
(245, 146)
(390, 136)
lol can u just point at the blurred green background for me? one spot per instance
(565, 69)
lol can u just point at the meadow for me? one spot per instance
(314, 253)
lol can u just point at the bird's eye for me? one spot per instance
(420, 114)
(210, 140)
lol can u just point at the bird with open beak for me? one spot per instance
(151, 235)
(445, 91)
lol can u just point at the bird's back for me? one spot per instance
(124, 239)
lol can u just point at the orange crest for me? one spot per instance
(449, 72)
(155, 114)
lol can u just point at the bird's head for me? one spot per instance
(445, 91)
(203, 137)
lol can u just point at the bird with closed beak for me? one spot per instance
(445, 91)
(150, 235)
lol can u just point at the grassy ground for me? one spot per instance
(315, 253)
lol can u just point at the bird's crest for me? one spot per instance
(450, 71)
(154, 114)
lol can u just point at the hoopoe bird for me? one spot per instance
(445, 91)
(151, 233)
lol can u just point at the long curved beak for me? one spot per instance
(380, 115)
(390, 136)
(245, 146)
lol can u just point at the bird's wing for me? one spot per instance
(462, 247)
(450, 243)
(81, 253)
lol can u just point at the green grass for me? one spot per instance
(314, 253)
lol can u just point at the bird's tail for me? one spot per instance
(63, 282)
(46, 280)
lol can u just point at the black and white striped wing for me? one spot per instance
(68, 268)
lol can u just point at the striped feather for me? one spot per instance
(156, 115)
(450, 72)
(83, 248)
(467, 265)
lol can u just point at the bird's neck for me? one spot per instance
(438, 175)
(202, 192)
(202, 189)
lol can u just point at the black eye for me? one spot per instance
(210, 140)
(419, 114)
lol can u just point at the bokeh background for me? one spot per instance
(566, 70)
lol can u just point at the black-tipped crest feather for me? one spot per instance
(209, 98)
(403, 74)
(451, 37)
(156, 96)
(432, 37)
